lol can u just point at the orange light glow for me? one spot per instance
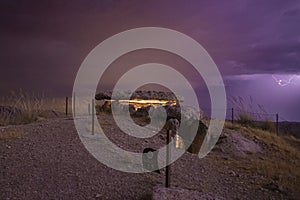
(139, 103)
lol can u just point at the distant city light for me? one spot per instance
(139, 103)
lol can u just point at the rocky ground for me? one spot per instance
(46, 160)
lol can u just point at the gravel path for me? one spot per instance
(50, 162)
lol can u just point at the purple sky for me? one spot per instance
(43, 43)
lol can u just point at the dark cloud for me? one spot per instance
(293, 12)
(50, 39)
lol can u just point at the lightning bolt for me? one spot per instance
(284, 82)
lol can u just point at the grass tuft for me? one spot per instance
(20, 108)
(252, 115)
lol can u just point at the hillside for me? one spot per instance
(46, 160)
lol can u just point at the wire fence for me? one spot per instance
(234, 115)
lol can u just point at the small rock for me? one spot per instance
(273, 187)
(262, 158)
(161, 137)
(275, 178)
(218, 149)
(257, 138)
(232, 173)
(223, 136)
(263, 189)
(274, 145)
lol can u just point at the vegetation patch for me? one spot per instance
(279, 164)
(11, 133)
(20, 108)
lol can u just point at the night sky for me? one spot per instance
(255, 44)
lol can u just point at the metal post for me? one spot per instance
(168, 167)
(93, 113)
(232, 115)
(67, 106)
(74, 104)
(277, 124)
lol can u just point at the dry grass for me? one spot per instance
(285, 169)
(56, 107)
(249, 114)
(232, 126)
(282, 157)
(23, 108)
(11, 133)
(57, 104)
(281, 142)
(268, 125)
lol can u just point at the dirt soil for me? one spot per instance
(46, 160)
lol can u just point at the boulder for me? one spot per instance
(198, 140)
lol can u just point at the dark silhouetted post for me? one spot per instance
(67, 100)
(93, 113)
(168, 168)
(232, 115)
(277, 124)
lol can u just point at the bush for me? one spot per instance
(267, 125)
(252, 115)
(245, 119)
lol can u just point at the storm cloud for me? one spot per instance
(43, 43)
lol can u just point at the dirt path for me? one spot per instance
(50, 162)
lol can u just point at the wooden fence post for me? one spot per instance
(74, 104)
(277, 124)
(67, 106)
(232, 115)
